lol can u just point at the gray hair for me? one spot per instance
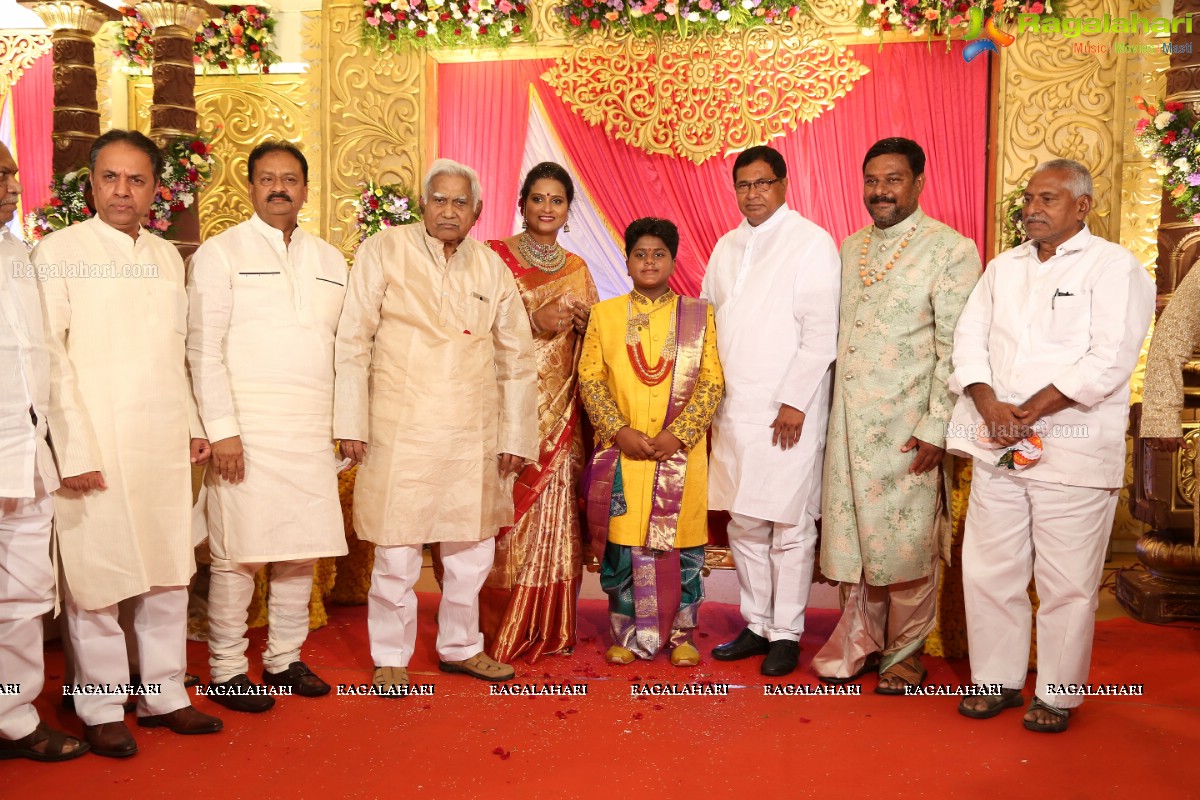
(444, 166)
(1079, 179)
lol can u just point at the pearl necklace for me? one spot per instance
(870, 276)
(548, 258)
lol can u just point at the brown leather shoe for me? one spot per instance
(302, 680)
(186, 720)
(110, 739)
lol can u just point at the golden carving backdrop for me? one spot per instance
(704, 95)
(18, 51)
(236, 113)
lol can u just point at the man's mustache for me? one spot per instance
(882, 199)
(280, 196)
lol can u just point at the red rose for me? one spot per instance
(54, 201)
(1173, 107)
(402, 17)
(1170, 137)
(520, 8)
(589, 3)
(392, 36)
(516, 28)
(458, 31)
(235, 9)
(177, 206)
(575, 20)
(193, 176)
(445, 16)
(223, 64)
(595, 24)
(421, 33)
(266, 68)
(251, 10)
(482, 30)
(373, 202)
(197, 147)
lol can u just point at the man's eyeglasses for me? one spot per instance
(761, 185)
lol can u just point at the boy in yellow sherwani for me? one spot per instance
(651, 382)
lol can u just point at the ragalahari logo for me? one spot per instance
(992, 35)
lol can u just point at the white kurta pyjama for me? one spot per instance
(1076, 321)
(27, 473)
(262, 321)
(120, 403)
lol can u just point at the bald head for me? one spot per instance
(10, 187)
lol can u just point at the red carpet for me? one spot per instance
(464, 744)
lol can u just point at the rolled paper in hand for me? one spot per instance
(1022, 455)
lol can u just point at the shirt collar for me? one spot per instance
(769, 223)
(1076, 243)
(902, 227)
(641, 299)
(112, 233)
(273, 234)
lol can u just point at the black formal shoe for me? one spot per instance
(186, 720)
(300, 678)
(748, 643)
(110, 739)
(239, 694)
(781, 658)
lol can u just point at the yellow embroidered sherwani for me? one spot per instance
(614, 397)
(1176, 338)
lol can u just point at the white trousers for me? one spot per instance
(160, 627)
(392, 601)
(230, 589)
(26, 593)
(774, 565)
(1057, 533)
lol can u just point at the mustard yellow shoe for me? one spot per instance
(686, 655)
(619, 655)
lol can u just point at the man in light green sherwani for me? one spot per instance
(905, 280)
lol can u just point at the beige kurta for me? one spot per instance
(261, 324)
(436, 373)
(120, 403)
(893, 362)
(1176, 339)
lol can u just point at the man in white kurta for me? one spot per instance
(1046, 344)
(436, 395)
(774, 282)
(121, 415)
(27, 476)
(264, 299)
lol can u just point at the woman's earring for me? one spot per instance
(567, 226)
(524, 224)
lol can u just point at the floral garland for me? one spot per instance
(1171, 140)
(681, 16)
(940, 17)
(382, 206)
(187, 169)
(394, 24)
(240, 39)
(1012, 229)
(66, 206)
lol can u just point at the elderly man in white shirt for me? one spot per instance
(1046, 346)
(264, 301)
(775, 283)
(122, 422)
(27, 476)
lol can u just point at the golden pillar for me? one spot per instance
(73, 23)
(1165, 485)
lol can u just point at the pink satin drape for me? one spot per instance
(920, 91)
(32, 124)
(483, 114)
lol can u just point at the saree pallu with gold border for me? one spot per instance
(654, 590)
(528, 603)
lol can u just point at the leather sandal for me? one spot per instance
(390, 681)
(909, 670)
(1062, 718)
(994, 703)
(481, 666)
(53, 745)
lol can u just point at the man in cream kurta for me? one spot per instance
(774, 283)
(436, 394)
(264, 301)
(905, 280)
(27, 475)
(1049, 339)
(121, 414)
